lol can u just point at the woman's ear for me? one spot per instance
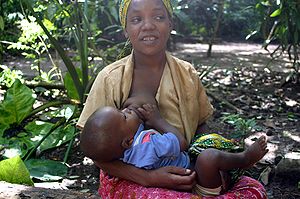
(171, 25)
(127, 142)
(125, 34)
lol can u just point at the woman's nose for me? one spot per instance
(148, 24)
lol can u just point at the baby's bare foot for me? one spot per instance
(256, 151)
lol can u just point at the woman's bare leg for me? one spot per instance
(211, 161)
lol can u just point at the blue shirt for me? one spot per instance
(151, 150)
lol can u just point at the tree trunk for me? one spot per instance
(216, 27)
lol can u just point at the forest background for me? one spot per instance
(51, 51)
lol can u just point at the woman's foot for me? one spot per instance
(256, 151)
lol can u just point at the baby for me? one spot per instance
(116, 134)
(111, 134)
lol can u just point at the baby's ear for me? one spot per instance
(127, 142)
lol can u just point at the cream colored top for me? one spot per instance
(181, 98)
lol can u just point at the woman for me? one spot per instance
(174, 83)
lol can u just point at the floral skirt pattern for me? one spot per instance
(245, 188)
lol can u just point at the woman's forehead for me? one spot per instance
(134, 8)
(141, 5)
(144, 4)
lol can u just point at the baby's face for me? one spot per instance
(128, 122)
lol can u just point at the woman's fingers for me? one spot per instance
(179, 170)
(176, 178)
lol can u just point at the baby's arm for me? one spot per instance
(153, 119)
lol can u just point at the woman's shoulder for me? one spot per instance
(183, 65)
(116, 66)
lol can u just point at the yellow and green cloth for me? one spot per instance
(124, 4)
(216, 141)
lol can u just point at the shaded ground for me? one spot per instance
(240, 77)
(239, 81)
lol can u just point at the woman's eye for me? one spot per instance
(160, 17)
(135, 20)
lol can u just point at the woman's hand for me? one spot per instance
(173, 178)
(166, 177)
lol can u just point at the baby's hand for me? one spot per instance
(151, 114)
(133, 103)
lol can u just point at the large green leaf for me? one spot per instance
(15, 147)
(70, 86)
(17, 104)
(13, 170)
(39, 129)
(46, 170)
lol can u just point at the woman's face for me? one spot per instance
(148, 26)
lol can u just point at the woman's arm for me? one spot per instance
(165, 177)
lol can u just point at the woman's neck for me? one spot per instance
(154, 62)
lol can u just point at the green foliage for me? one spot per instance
(242, 126)
(41, 129)
(9, 12)
(13, 170)
(33, 42)
(1, 23)
(8, 77)
(235, 18)
(19, 138)
(239, 19)
(17, 104)
(46, 170)
(46, 127)
(280, 23)
(70, 87)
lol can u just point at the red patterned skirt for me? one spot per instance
(245, 188)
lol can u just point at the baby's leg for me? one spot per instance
(211, 161)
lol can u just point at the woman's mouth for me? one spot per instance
(149, 40)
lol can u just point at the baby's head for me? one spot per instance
(108, 132)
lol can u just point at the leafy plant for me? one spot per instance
(17, 104)
(8, 77)
(242, 127)
(13, 170)
(23, 138)
(33, 43)
(284, 30)
(46, 170)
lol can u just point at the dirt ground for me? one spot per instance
(243, 79)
